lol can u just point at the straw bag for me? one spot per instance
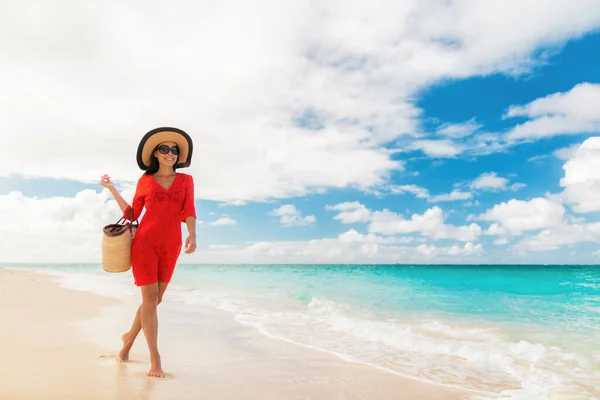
(116, 244)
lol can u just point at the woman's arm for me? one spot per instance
(138, 198)
(123, 205)
(189, 208)
(190, 222)
(190, 241)
(188, 215)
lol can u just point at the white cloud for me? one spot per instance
(235, 203)
(501, 241)
(437, 148)
(270, 65)
(496, 229)
(517, 216)
(458, 131)
(430, 224)
(538, 158)
(548, 215)
(562, 154)
(581, 181)
(573, 112)
(223, 221)
(351, 212)
(422, 193)
(348, 247)
(452, 196)
(566, 152)
(353, 236)
(290, 216)
(55, 229)
(468, 249)
(222, 246)
(559, 236)
(417, 191)
(490, 181)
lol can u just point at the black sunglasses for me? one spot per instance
(164, 149)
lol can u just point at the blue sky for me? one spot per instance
(307, 147)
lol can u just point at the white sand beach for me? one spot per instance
(58, 343)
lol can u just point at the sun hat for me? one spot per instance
(165, 134)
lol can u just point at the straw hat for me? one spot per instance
(165, 134)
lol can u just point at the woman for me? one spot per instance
(168, 197)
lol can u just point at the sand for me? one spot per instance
(57, 343)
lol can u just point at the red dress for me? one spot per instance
(157, 243)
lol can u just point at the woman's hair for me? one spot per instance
(153, 167)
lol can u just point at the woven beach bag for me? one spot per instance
(116, 244)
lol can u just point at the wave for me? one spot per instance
(483, 360)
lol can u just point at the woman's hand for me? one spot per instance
(190, 244)
(106, 182)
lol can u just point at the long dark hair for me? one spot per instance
(153, 167)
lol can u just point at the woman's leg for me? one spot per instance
(130, 336)
(149, 320)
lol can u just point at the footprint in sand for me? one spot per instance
(107, 357)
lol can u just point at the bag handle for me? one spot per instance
(122, 219)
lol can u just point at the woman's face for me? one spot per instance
(164, 154)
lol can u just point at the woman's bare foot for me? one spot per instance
(127, 343)
(155, 368)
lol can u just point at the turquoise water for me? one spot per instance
(527, 332)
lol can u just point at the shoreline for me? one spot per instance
(74, 358)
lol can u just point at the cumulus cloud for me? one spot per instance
(562, 235)
(295, 99)
(490, 181)
(223, 221)
(290, 216)
(353, 236)
(581, 181)
(467, 250)
(430, 224)
(547, 219)
(573, 112)
(351, 212)
(55, 229)
(517, 216)
(348, 247)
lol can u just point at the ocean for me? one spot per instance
(529, 332)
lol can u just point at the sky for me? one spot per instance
(413, 131)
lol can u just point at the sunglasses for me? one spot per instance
(164, 149)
